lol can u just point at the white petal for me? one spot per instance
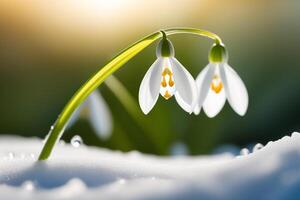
(197, 109)
(99, 115)
(149, 88)
(203, 82)
(186, 89)
(214, 102)
(235, 89)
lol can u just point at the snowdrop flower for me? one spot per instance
(218, 82)
(167, 77)
(95, 109)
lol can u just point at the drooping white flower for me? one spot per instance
(218, 82)
(96, 111)
(167, 77)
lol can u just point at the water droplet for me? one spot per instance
(28, 185)
(257, 147)
(11, 155)
(244, 151)
(76, 141)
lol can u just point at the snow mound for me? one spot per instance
(270, 173)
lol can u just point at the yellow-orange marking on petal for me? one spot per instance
(167, 83)
(167, 95)
(171, 82)
(216, 84)
(164, 83)
(167, 71)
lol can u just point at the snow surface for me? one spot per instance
(269, 173)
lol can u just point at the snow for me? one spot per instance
(270, 173)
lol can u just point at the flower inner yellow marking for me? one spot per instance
(216, 84)
(167, 95)
(164, 83)
(171, 82)
(167, 82)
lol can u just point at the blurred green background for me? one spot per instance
(49, 48)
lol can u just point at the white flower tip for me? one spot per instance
(143, 106)
(145, 110)
(196, 113)
(242, 112)
(211, 115)
(241, 106)
(146, 104)
(197, 110)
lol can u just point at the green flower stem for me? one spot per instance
(117, 62)
(194, 31)
(130, 105)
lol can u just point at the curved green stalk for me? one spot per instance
(117, 62)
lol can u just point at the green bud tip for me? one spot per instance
(165, 47)
(218, 53)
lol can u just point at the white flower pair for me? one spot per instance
(166, 76)
(216, 82)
